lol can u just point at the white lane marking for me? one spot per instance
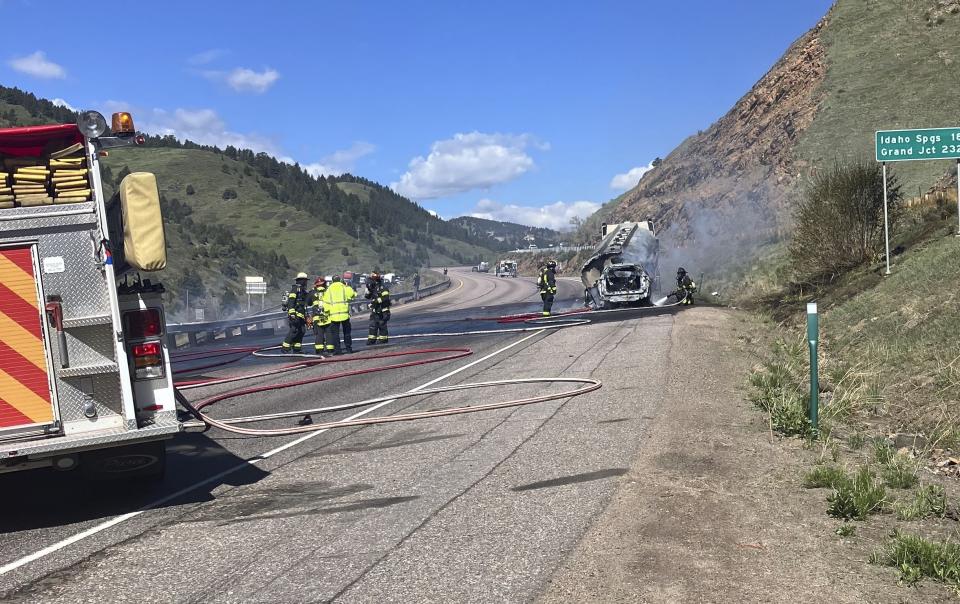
(124, 517)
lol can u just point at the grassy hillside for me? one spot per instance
(890, 65)
(232, 213)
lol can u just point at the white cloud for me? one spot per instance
(242, 79)
(207, 56)
(552, 216)
(629, 179)
(206, 127)
(62, 103)
(38, 66)
(202, 126)
(475, 160)
(340, 161)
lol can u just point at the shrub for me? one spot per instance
(229, 194)
(917, 557)
(900, 473)
(858, 497)
(190, 190)
(839, 219)
(927, 501)
(846, 530)
(882, 451)
(824, 476)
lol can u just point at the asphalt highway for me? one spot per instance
(479, 508)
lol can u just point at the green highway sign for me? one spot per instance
(928, 143)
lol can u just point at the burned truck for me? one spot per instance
(623, 270)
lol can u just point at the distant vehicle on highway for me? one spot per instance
(532, 246)
(483, 267)
(507, 268)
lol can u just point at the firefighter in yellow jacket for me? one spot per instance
(336, 302)
(296, 303)
(319, 319)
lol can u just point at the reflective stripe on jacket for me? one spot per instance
(336, 301)
(547, 282)
(320, 316)
(379, 299)
(297, 302)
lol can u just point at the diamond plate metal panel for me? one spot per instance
(82, 285)
(88, 440)
(88, 346)
(103, 390)
(84, 370)
(87, 321)
(32, 220)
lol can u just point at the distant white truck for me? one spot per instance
(506, 268)
(483, 267)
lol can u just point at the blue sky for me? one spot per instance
(524, 111)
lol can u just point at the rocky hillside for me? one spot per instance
(727, 192)
(732, 180)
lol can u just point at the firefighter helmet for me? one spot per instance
(375, 277)
(551, 264)
(302, 275)
(337, 279)
(320, 281)
(681, 271)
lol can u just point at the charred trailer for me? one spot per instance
(84, 366)
(623, 270)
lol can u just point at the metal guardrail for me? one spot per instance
(549, 250)
(268, 323)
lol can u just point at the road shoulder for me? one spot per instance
(711, 509)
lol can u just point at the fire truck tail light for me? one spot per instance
(140, 324)
(147, 360)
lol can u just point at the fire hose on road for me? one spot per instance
(448, 354)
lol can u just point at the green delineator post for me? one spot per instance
(813, 337)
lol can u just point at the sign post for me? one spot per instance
(813, 337)
(916, 145)
(886, 221)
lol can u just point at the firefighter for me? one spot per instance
(379, 297)
(336, 302)
(319, 319)
(298, 299)
(685, 287)
(547, 284)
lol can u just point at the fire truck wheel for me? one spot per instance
(142, 461)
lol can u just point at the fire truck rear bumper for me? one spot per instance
(42, 452)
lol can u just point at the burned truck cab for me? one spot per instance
(623, 285)
(623, 268)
